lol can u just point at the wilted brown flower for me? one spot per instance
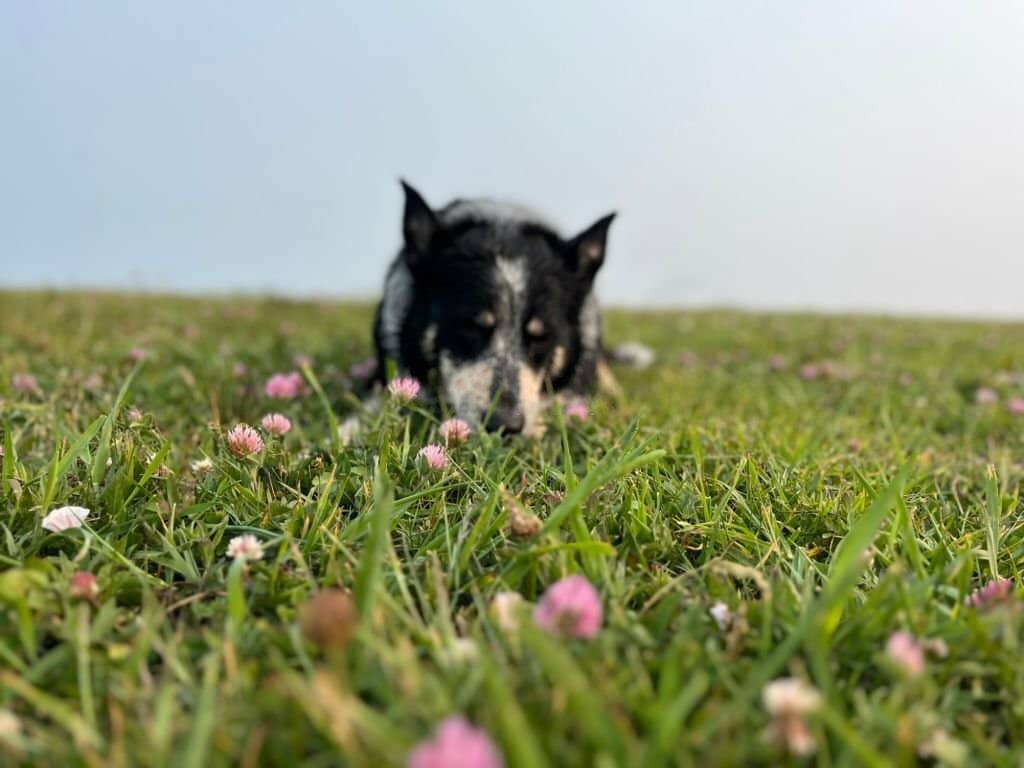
(328, 619)
(521, 523)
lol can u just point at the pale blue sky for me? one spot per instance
(767, 154)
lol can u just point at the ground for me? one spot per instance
(831, 480)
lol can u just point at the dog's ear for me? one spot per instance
(419, 224)
(585, 252)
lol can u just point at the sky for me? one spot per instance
(860, 156)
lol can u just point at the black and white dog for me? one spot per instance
(493, 308)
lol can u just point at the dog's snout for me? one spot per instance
(509, 420)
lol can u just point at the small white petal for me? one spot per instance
(506, 608)
(348, 430)
(462, 650)
(721, 614)
(10, 725)
(63, 518)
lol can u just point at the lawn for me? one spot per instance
(802, 497)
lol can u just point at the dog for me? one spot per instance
(490, 306)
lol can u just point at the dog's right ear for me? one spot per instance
(419, 225)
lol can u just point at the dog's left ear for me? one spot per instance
(585, 252)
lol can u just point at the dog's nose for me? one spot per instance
(509, 420)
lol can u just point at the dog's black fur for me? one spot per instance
(493, 307)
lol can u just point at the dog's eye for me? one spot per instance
(535, 328)
(485, 319)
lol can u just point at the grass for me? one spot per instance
(826, 513)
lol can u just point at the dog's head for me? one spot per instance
(496, 304)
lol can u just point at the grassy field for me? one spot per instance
(828, 506)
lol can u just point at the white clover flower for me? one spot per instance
(245, 547)
(788, 700)
(202, 466)
(790, 696)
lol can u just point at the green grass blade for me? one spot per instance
(371, 562)
(60, 463)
